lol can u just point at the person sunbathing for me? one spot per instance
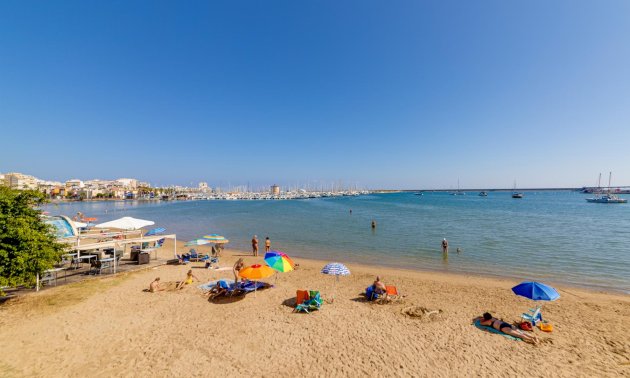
(189, 280)
(155, 286)
(489, 321)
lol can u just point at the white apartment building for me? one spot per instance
(15, 180)
(127, 183)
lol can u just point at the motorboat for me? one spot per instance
(483, 194)
(607, 198)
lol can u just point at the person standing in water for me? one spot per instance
(373, 224)
(444, 246)
(267, 244)
(255, 245)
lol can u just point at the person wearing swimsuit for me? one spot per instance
(488, 320)
(189, 280)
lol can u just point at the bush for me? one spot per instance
(28, 246)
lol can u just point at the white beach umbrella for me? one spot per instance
(126, 223)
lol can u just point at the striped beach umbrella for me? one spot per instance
(279, 261)
(335, 269)
(214, 237)
(196, 242)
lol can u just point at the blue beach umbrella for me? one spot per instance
(155, 231)
(536, 291)
(335, 269)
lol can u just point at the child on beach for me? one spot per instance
(267, 244)
(189, 280)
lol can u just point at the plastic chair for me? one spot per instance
(313, 303)
(533, 315)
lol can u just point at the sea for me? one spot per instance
(549, 236)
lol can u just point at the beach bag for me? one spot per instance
(526, 326)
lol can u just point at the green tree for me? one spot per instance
(27, 245)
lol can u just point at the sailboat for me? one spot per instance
(516, 194)
(458, 192)
(608, 197)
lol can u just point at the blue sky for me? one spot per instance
(406, 94)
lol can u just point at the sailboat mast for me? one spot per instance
(609, 178)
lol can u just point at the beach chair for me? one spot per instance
(533, 315)
(370, 294)
(193, 255)
(313, 303)
(391, 291)
(210, 261)
(183, 259)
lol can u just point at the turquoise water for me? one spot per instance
(550, 236)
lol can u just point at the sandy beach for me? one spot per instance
(111, 327)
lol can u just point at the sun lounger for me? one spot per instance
(314, 302)
(230, 289)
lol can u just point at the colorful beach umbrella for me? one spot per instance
(196, 242)
(279, 261)
(155, 231)
(216, 239)
(335, 269)
(536, 291)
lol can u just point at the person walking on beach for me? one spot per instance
(255, 245)
(444, 246)
(267, 244)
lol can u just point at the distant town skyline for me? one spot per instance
(407, 95)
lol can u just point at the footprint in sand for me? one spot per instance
(423, 313)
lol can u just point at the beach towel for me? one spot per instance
(492, 330)
(209, 285)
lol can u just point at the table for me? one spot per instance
(106, 263)
(77, 260)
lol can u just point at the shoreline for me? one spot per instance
(437, 273)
